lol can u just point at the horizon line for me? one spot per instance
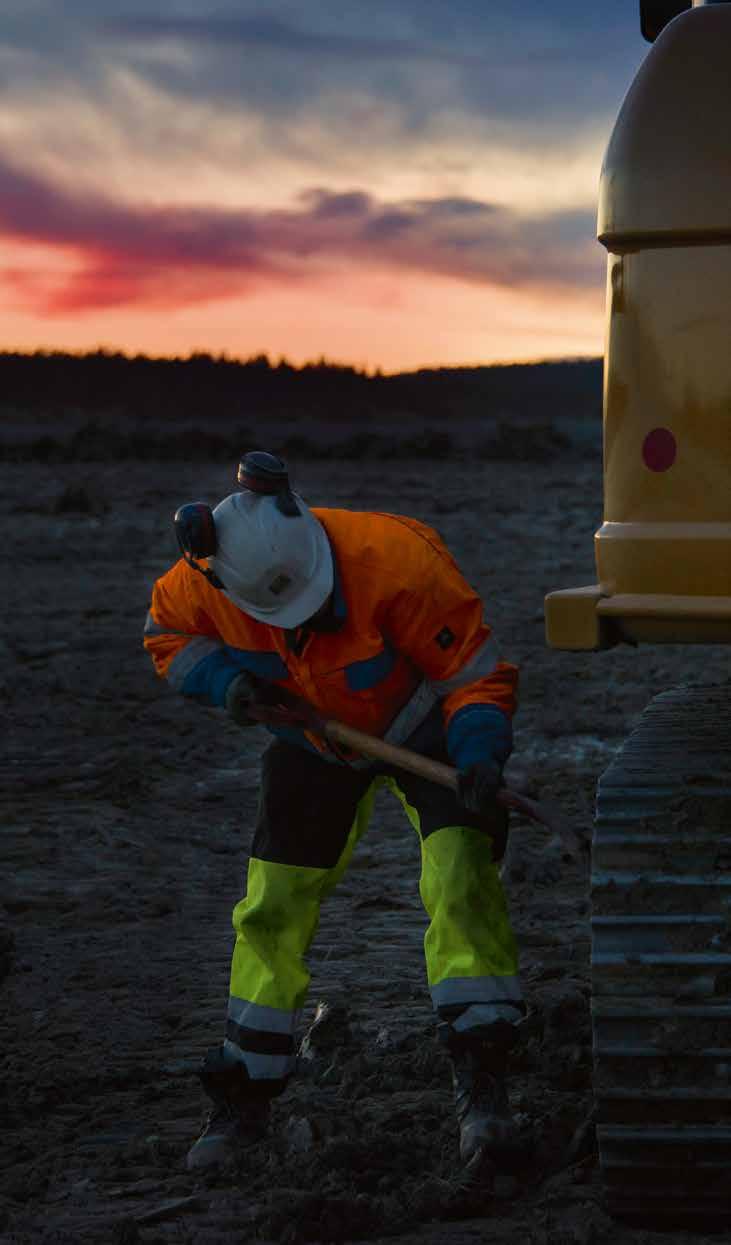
(282, 361)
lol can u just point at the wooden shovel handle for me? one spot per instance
(379, 750)
(434, 771)
(294, 710)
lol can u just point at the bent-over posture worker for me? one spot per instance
(368, 618)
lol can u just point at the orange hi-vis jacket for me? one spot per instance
(411, 632)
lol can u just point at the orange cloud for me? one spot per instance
(372, 318)
(177, 256)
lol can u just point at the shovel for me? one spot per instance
(291, 710)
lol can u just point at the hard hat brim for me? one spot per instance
(313, 596)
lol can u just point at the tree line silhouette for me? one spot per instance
(104, 383)
(113, 404)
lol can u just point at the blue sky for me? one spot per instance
(391, 185)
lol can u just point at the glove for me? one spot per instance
(478, 785)
(238, 694)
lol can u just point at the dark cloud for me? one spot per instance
(456, 205)
(530, 63)
(170, 257)
(388, 224)
(272, 32)
(327, 204)
(319, 82)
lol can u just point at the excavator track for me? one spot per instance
(661, 964)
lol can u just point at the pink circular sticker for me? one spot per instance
(659, 449)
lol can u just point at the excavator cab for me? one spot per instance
(661, 885)
(663, 553)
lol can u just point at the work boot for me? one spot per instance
(487, 1129)
(238, 1117)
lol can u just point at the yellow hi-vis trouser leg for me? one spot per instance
(471, 956)
(469, 946)
(275, 923)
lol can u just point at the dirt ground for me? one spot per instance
(126, 822)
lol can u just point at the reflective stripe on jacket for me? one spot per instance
(412, 631)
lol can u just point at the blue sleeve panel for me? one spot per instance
(209, 680)
(479, 733)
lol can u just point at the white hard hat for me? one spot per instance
(275, 566)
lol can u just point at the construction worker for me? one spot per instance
(367, 617)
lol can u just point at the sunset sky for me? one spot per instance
(391, 185)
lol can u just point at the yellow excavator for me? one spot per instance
(661, 852)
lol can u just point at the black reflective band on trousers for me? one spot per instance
(259, 1043)
(307, 806)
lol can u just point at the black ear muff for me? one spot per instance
(195, 529)
(196, 533)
